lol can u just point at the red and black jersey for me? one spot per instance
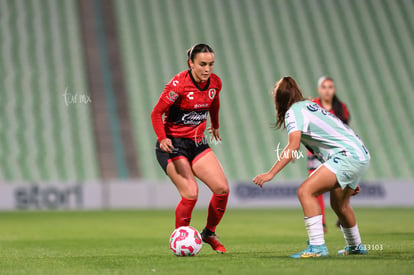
(346, 112)
(186, 105)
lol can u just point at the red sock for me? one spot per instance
(183, 212)
(322, 205)
(216, 210)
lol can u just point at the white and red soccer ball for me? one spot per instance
(185, 241)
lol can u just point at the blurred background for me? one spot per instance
(79, 79)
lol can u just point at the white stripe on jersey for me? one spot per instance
(332, 132)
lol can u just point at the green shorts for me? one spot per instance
(348, 170)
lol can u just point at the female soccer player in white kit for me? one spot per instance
(344, 159)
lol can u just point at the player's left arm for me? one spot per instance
(287, 155)
(214, 115)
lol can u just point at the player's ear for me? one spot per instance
(190, 64)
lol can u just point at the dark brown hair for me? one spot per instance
(194, 50)
(285, 93)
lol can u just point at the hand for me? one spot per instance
(356, 191)
(262, 178)
(214, 133)
(166, 145)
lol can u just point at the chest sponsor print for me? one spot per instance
(194, 117)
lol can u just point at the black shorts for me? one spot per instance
(183, 148)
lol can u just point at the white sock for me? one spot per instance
(351, 235)
(314, 228)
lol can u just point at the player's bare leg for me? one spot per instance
(340, 203)
(208, 169)
(321, 204)
(321, 181)
(182, 176)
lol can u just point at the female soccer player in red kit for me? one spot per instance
(182, 150)
(329, 101)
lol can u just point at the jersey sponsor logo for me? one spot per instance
(190, 95)
(212, 93)
(313, 107)
(200, 106)
(194, 118)
(172, 96)
(186, 117)
(175, 83)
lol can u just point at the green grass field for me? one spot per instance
(136, 242)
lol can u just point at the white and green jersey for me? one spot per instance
(323, 133)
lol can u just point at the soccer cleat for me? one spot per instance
(353, 250)
(312, 251)
(212, 239)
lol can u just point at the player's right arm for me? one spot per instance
(294, 123)
(166, 99)
(287, 156)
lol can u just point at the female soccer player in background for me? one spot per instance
(344, 159)
(329, 101)
(182, 150)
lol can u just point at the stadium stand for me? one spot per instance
(43, 137)
(371, 59)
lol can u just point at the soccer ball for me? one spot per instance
(185, 241)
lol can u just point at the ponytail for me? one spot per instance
(338, 109)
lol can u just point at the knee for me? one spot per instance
(302, 193)
(222, 189)
(341, 209)
(305, 192)
(344, 208)
(191, 195)
(191, 192)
